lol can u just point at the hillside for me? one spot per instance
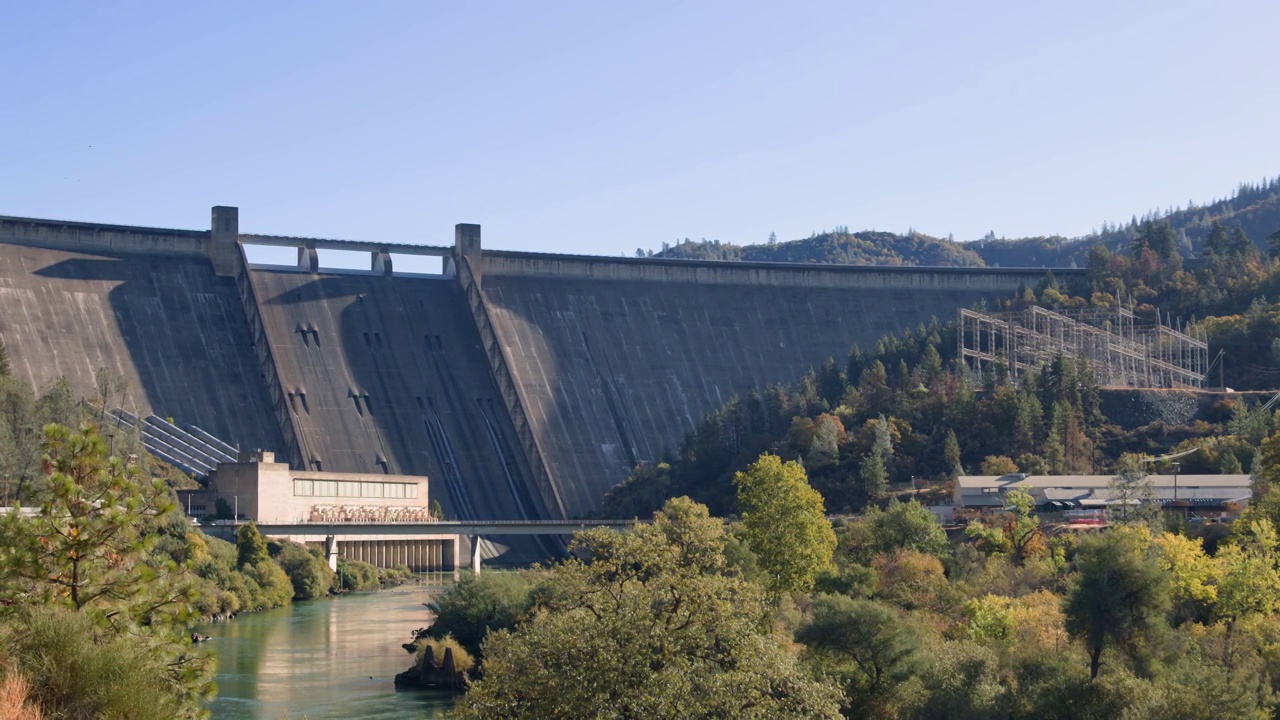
(1254, 208)
(839, 247)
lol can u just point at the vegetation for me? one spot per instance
(1250, 217)
(480, 604)
(656, 624)
(99, 586)
(784, 523)
(1129, 622)
(839, 247)
(87, 554)
(907, 414)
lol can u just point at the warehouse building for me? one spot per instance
(1210, 494)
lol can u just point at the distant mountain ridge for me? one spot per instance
(1254, 208)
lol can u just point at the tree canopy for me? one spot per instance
(786, 523)
(654, 624)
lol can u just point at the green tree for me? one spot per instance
(251, 547)
(998, 465)
(88, 550)
(1273, 244)
(655, 626)
(1017, 532)
(866, 647)
(906, 526)
(824, 450)
(1157, 237)
(951, 454)
(1217, 242)
(874, 386)
(1248, 581)
(784, 522)
(875, 481)
(831, 383)
(1121, 593)
(307, 570)
(1240, 247)
(1032, 464)
(480, 604)
(1229, 464)
(1132, 493)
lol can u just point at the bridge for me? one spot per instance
(331, 533)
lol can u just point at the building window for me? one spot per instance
(353, 489)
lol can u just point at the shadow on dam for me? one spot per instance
(388, 375)
(174, 330)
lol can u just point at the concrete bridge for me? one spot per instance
(330, 534)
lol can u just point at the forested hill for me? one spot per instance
(1253, 208)
(839, 247)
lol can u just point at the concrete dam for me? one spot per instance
(524, 385)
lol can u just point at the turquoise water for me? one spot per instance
(330, 658)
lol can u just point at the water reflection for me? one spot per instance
(323, 659)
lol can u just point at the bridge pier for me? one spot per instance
(475, 554)
(331, 552)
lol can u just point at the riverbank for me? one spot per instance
(327, 658)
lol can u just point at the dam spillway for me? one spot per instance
(525, 385)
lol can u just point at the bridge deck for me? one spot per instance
(451, 527)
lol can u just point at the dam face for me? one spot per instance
(524, 385)
(617, 361)
(166, 323)
(386, 374)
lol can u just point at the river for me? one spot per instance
(332, 658)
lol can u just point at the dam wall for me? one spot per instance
(616, 360)
(96, 237)
(524, 385)
(388, 375)
(145, 304)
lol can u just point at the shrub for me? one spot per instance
(354, 576)
(462, 660)
(308, 572)
(479, 604)
(75, 670)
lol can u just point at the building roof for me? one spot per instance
(1027, 482)
(1095, 490)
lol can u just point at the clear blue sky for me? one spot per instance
(600, 127)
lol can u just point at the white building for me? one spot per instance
(258, 488)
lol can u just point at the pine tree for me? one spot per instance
(1240, 246)
(951, 455)
(856, 363)
(874, 478)
(1229, 464)
(5, 369)
(1216, 244)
